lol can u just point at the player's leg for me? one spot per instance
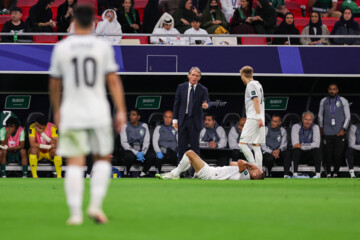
(350, 161)
(57, 161)
(3, 154)
(339, 147)
(258, 155)
(24, 162)
(247, 137)
(247, 152)
(296, 154)
(316, 156)
(33, 160)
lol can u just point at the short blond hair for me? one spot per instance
(308, 113)
(247, 72)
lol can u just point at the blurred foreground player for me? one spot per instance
(79, 65)
(240, 170)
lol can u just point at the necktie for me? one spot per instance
(191, 101)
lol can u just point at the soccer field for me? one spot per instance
(188, 209)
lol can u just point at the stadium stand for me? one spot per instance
(253, 41)
(45, 39)
(294, 8)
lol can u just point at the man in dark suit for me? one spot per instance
(190, 100)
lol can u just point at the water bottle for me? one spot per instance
(303, 10)
(15, 37)
(178, 39)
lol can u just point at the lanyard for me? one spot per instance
(128, 18)
(333, 108)
(170, 131)
(305, 138)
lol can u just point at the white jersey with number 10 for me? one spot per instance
(82, 62)
(254, 89)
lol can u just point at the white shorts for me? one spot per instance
(81, 142)
(251, 133)
(222, 173)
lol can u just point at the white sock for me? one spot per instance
(99, 183)
(318, 175)
(74, 188)
(258, 156)
(247, 153)
(295, 174)
(183, 166)
(352, 172)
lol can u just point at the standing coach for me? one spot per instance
(190, 100)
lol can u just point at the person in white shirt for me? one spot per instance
(195, 23)
(228, 7)
(165, 26)
(254, 130)
(109, 26)
(80, 67)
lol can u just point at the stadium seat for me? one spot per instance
(278, 21)
(294, 8)
(230, 119)
(45, 39)
(25, 6)
(253, 41)
(267, 118)
(141, 14)
(354, 118)
(55, 6)
(287, 122)
(3, 20)
(357, 20)
(155, 119)
(329, 22)
(142, 39)
(301, 22)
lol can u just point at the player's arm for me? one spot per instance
(20, 146)
(33, 143)
(117, 93)
(258, 111)
(243, 165)
(55, 97)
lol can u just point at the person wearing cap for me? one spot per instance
(195, 23)
(165, 26)
(14, 25)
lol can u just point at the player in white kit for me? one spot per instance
(240, 170)
(81, 65)
(254, 130)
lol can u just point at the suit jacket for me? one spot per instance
(201, 95)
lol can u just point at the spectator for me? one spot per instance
(15, 25)
(334, 119)
(267, 18)
(346, 26)
(109, 26)
(169, 6)
(275, 149)
(135, 139)
(184, 15)
(213, 136)
(243, 19)
(234, 139)
(65, 14)
(315, 27)
(286, 27)
(228, 7)
(43, 138)
(353, 151)
(199, 5)
(152, 14)
(305, 138)
(279, 6)
(352, 6)
(165, 26)
(327, 8)
(6, 5)
(165, 142)
(213, 18)
(128, 17)
(12, 138)
(195, 23)
(40, 17)
(108, 4)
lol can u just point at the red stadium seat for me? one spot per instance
(253, 41)
(45, 39)
(301, 22)
(141, 13)
(3, 20)
(25, 6)
(142, 39)
(329, 22)
(140, 4)
(278, 21)
(294, 8)
(357, 20)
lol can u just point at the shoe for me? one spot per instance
(4, 176)
(24, 176)
(166, 176)
(287, 176)
(74, 221)
(301, 176)
(335, 175)
(329, 175)
(97, 215)
(142, 174)
(316, 176)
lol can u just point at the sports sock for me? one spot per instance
(183, 166)
(258, 156)
(58, 165)
(74, 188)
(295, 174)
(352, 173)
(247, 153)
(24, 170)
(33, 165)
(3, 171)
(99, 183)
(318, 175)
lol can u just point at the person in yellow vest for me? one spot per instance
(43, 138)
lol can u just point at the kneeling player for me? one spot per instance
(12, 138)
(43, 139)
(240, 170)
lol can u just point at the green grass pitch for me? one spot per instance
(187, 209)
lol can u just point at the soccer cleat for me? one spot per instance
(4, 176)
(97, 215)
(300, 176)
(74, 221)
(329, 175)
(166, 176)
(24, 176)
(287, 176)
(316, 176)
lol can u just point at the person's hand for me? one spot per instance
(39, 130)
(52, 23)
(195, 11)
(341, 133)
(260, 123)
(276, 153)
(10, 131)
(57, 119)
(298, 145)
(324, 15)
(212, 144)
(135, 26)
(53, 143)
(286, 43)
(10, 148)
(205, 105)
(175, 126)
(248, 20)
(120, 121)
(184, 21)
(159, 155)
(216, 22)
(140, 157)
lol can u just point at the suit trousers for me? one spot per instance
(334, 149)
(310, 157)
(188, 134)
